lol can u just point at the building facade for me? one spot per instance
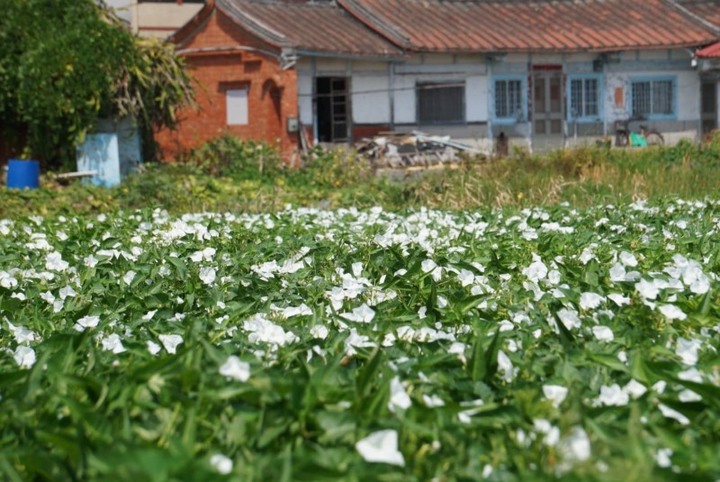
(544, 74)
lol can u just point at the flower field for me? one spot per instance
(362, 345)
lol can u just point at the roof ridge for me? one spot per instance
(715, 29)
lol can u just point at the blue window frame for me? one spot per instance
(653, 98)
(509, 99)
(585, 98)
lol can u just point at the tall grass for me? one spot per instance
(249, 178)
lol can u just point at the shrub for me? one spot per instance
(227, 155)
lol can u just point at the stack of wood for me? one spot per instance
(416, 149)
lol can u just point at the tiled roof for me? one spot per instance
(708, 10)
(530, 25)
(311, 25)
(710, 52)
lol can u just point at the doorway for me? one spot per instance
(708, 104)
(547, 108)
(332, 109)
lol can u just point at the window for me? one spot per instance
(653, 98)
(509, 99)
(237, 107)
(584, 103)
(440, 103)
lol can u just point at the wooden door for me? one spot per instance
(548, 108)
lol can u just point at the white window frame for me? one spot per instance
(237, 107)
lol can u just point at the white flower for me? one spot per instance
(635, 389)
(569, 318)
(87, 322)
(206, 254)
(361, 314)
(148, 316)
(574, 447)
(505, 366)
(221, 463)
(672, 312)
(619, 299)
(129, 277)
(552, 434)
(67, 291)
(302, 310)
(674, 414)
(319, 331)
(170, 342)
(555, 393)
(613, 396)
(647, 289)
(662, 457)
(687, 350)
(24, 356)
(628, 259)
(537, 270)
(153, 347)
(603, 333)
(207, 275)
(689, 396)
(428, 265)
(90, 261)
(691, 375)
(22, 334)
(590, 301)
(466, 277)
(433, 401)
(54, 262)
(399, 398)
(381, 447)
(236, 369)
(113, 343)
(357, 269)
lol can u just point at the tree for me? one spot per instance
(64, 64)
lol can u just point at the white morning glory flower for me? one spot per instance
(672, 312)
(87, 322)
(662, 457)
(603, 333)
(635, 389)
(674, 414)
(153, 347)
(171, 342)
(590, 301)
(113, 343)
(569, 318)
(505, 366)
(381, 447)
(399, 399)
(221, 463)
(687, 350)
(361, 314)
(24, 356)
(555, 393)
(613, 396)
(236, 369)
(207, 275)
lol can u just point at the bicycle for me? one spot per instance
(625, 137)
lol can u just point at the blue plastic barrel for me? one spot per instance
(23, 174)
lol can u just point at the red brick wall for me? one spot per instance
(368, 130)
(272, 92)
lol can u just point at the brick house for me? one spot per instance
(544, 73)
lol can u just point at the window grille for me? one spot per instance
(508, 99)
(584, 98)
(441, 103)
(652, 97)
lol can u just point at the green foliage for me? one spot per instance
(66, 63)
(227, 155)
(464, 341)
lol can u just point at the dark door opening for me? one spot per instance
(332, 109)
(708, 99)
